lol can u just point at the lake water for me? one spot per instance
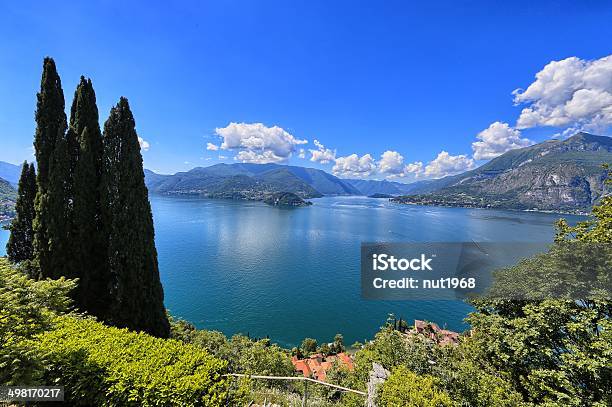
(294, 273)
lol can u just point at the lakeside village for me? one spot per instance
(317, 365)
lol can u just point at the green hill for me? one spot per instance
(249, 181)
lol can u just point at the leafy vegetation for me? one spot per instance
(42, 343)
(27, 308)
(101, 365)
(406, 388)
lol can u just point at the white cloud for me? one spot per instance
(212, 147)
(257, 142)
(415, 168)
(321, 154)
(391, 163)
(302, 153)
(251, 156)
(445, 164)
(354, 166)
(569, 93)
(144, 144)
(496, 140)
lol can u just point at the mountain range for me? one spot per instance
(553, 175)
(249, 181)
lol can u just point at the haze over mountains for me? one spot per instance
(551, 175)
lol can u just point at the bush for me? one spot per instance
(100, 365)
(391, 348)
(27, 308)
(405, 388)
(244, 355)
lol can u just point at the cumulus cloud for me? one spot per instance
(391, 163)
(415, 168)
(302, 153)
(144, 144)
(496, 140)
(322, 155)
(212, 147)
(354, 166)
(445, 164)
(571, 92)
(256, 142)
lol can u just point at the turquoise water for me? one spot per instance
(294, 273)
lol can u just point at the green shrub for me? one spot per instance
(100, 365)
(244, 355)
(26, 309)
(405, 388)
(391, 348)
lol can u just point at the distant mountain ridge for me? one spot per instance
(552, 175)
(371, 187)
(10, 172)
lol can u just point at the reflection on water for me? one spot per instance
(247, 267)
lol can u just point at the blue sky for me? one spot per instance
(364, 78)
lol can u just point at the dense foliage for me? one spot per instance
(20, 246)
(89, 246)
(99, 365)
(137, 298)
(50, 227)
(245, 355)
(406, 388)
(91, 219)
(41, 343)
(27, 308)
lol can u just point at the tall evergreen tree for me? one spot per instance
(50, 232)
(87, 240)
(20, 246)
(137, 294)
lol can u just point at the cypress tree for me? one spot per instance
(84, 141)
(136, 290)
(51, 200)
(20, 246)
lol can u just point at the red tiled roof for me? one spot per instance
(317, 366)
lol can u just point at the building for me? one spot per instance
(316, 366)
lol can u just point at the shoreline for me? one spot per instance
(534, 210)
